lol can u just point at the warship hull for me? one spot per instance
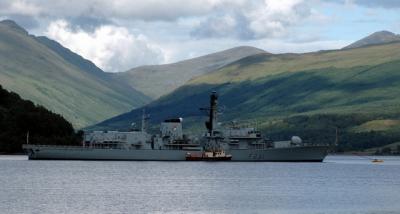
(292, 154)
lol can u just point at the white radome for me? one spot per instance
(296, 140)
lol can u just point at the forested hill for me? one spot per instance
(18, 117)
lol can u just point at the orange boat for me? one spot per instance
(208, 156)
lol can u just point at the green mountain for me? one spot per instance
(377, 38)
(18, 117)
(296, 94)
(158, 80)
(45, 72)
(73, 58)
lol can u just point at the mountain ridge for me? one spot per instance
(70, 56)
(36, 69)
(155, 80)
(376, 38)
(13, 25)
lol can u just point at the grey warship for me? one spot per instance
(234, 143)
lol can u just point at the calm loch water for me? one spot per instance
(342, 184)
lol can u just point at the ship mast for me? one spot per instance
(212, 113)
(144, 118)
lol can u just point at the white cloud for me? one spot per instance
(20, 7)
(161, 9)
(273, 17)
(232, 25)
(254, 20)
(123, 9)
(110, 47)
(389, 4)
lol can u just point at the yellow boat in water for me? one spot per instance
(377, 161)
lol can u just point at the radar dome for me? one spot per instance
(296, 140)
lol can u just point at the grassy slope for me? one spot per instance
(158, 80)
(125, 91)
(388, 125)
(262, 65)
(39, 74)
(364, 81)
(355, 86)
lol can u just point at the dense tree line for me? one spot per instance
(19, 117)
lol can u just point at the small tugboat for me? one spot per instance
(209, 156)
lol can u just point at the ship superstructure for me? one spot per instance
(233, 143)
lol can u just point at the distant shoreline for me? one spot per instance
(362, 154)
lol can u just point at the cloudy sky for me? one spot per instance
(120, 34)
